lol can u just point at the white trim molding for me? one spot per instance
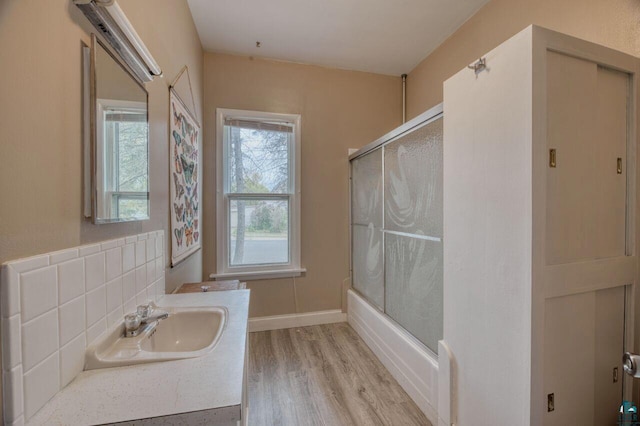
(259, 275)
(278, 322)
(223, 196)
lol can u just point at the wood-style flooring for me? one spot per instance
(323, 375)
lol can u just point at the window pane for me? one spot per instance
(128, 133)
(132, 157)
(132, 208)
(259, 232)
(258, 160)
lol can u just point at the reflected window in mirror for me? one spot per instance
(123, 151)
(119, 140)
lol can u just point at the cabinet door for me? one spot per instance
(587, 127)
(584, 337)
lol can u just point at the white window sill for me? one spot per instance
(259, 275)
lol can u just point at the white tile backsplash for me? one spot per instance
(96, 305)
(159, 246)
(94, 271)
(31, 263)
(11, 353)
(39, 339)
(72, 321)
(54, 305)
(114, 294)
(159, 268)
(141, 256)
(151, 291)
(41, 383)
(151, 249)
(151, 272)
(9, 291)
(160, 286)
(130, 305)
(141, 297)
(115, 317)
(63, 256)
(141, 278)
(39, 292)
(18, 422)
(128, 285)
(128, 257)
(114, 263)
(70, 280)
(13, 401)
(96, 330)
(72, 359)
(108, 245)
(88, 249)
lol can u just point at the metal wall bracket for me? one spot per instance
(479, 66)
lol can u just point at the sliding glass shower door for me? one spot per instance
(366, 227)
(397, 229)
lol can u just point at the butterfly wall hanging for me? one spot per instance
(184, 137)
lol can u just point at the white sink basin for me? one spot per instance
(187, 333)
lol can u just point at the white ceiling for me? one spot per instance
(380, 36)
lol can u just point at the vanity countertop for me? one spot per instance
(200, 388)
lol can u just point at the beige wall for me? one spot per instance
(113, 82)
(340, 110)
(614, 23)
(40, 118)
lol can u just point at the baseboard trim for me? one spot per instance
(414, 369)
(278, 322)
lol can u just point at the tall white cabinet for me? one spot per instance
(540, 222)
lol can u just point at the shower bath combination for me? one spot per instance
(530, 171)
(396, 249)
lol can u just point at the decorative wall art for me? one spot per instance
(184, 156)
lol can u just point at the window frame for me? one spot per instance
(223, 199)
(106, 204)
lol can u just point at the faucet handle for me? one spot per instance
(144, 310)
(132, 322)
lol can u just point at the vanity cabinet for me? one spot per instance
(540, 222)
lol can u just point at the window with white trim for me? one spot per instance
(123, 150)
(258, 192)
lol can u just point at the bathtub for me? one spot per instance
(409, 362)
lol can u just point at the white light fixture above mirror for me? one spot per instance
(111, 22)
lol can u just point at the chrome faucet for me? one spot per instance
(150, 313)
(145, 318)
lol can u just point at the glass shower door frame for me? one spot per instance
(424, 119)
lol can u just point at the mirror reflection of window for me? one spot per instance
(124, 152)
(121, 141)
